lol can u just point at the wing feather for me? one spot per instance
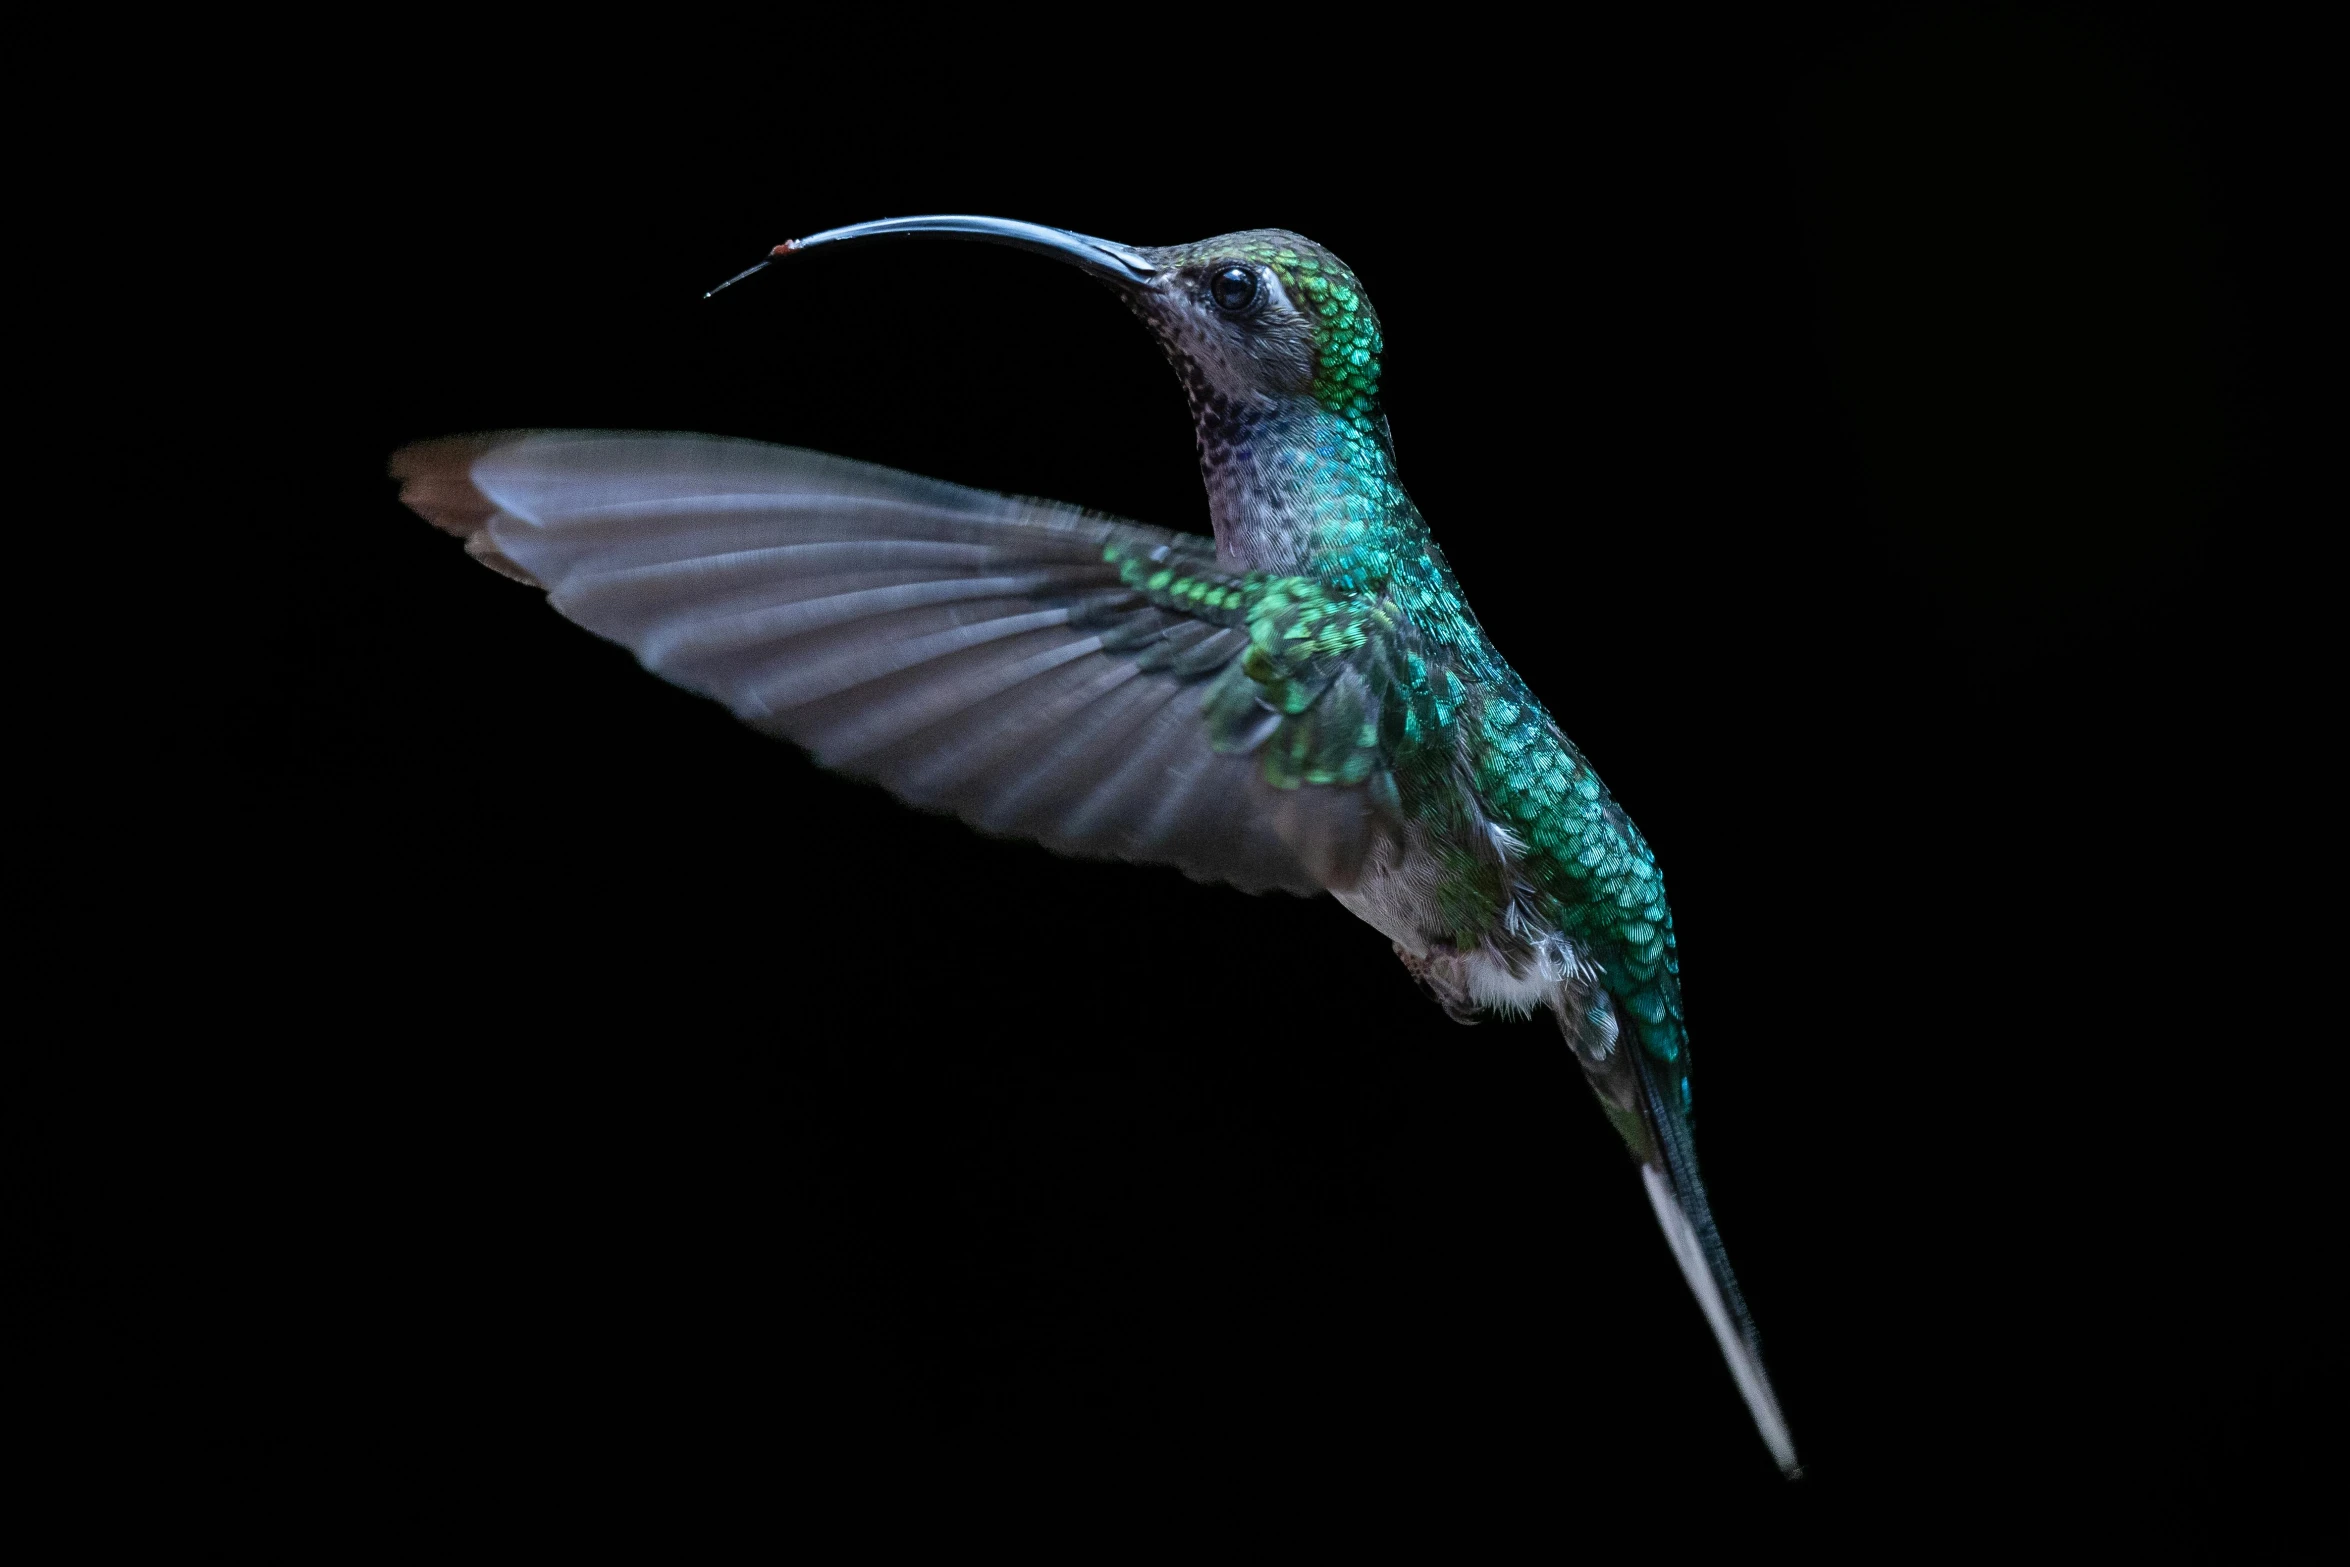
(973, 653)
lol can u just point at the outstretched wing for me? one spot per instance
(1104, 688)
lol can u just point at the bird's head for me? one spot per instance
(1251, 321)
(1265, 316)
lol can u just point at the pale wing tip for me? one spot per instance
(1754, 1384)
(436, 482)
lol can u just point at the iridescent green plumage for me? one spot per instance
(1373, 588)
(1516, 880)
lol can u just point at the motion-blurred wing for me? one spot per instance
(1002, 659)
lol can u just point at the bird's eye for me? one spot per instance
(1234, 289)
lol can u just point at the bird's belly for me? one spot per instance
(1398, 899)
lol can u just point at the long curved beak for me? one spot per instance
(1113, 263)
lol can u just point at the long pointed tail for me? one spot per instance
(1709, 1279)
(1678, 1196)
(1632, 1090)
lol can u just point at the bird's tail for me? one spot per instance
(1646, 1107)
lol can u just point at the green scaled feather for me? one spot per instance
(1312, 659)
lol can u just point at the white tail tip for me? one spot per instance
(1745, 1369)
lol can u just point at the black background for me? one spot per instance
(1875, 441)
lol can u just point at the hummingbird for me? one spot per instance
(1303, 702)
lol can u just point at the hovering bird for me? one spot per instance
(1304, 702)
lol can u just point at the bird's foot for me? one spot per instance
(1443, 976)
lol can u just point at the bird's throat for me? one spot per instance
(1295, 488)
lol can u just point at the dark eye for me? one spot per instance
(1234, 289)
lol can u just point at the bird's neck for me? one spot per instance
(1301, 490)
(1296, 488)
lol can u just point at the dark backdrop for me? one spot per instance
(1870, 439)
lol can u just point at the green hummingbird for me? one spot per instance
(1304, 702)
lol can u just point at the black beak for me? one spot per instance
(1113, 263)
